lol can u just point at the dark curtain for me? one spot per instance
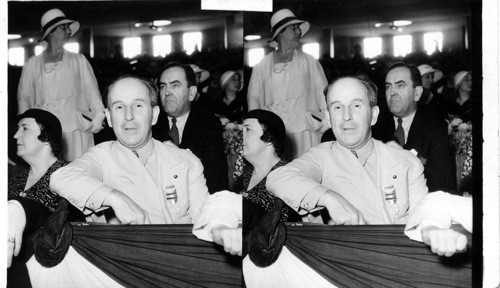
(156, 256)
(376, 256)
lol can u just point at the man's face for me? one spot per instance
(427, 81)
(130, 113)
(350, 113)
(175, 94)
(401, 96)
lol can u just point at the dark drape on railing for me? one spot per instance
(156, 256)
(375, 256)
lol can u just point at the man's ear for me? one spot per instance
(156, 112)
(192, 92)
(108, 117)
(418, 92)
(375, 112)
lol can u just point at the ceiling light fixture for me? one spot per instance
(394, 24)
(153, 25)
(252, 37)
(400, 23)
(13, 36)
(161, 22)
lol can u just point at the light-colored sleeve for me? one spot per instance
(198, 190)
(439, 209)
(80, 182)
(298, 182)
(417, 187)
(26, 88)
(256, 93)
(320, 83)
(89, 87)
(221, 208)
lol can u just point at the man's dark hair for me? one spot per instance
(188, 71)
(415, 75)
(152, 90)
(46, 136)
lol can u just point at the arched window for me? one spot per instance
(132, 47)
(16, 56)
(190, 41)
(433, 42)
(402, 45)
(311, 49)
(254, 56)
(72, 47)
(162, 45)
(372, 47)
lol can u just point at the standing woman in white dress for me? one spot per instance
(290, 83)
(64, 84)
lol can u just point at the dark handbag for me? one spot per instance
(51, 242)
(265, 242)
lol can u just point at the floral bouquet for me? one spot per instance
(461, 142)
(232, 136)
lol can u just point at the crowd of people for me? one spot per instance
(187, 139)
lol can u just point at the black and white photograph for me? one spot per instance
(317, 144)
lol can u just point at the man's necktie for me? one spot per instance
(400, 133)
(174, 132)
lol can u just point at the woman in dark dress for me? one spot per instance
(263, 213)
(460, 106)
(263, 144)
(39, 144)
(231, 105)
(230, 109)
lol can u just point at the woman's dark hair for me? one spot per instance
(54, 141)
(273, 128)
(50, 128)
(270, 135)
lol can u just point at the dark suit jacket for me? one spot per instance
(428, 135)
(203, 136)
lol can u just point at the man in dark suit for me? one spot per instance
(191, 128)
(416, 127)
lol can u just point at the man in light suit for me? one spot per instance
(143, 180)
(356, 178)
